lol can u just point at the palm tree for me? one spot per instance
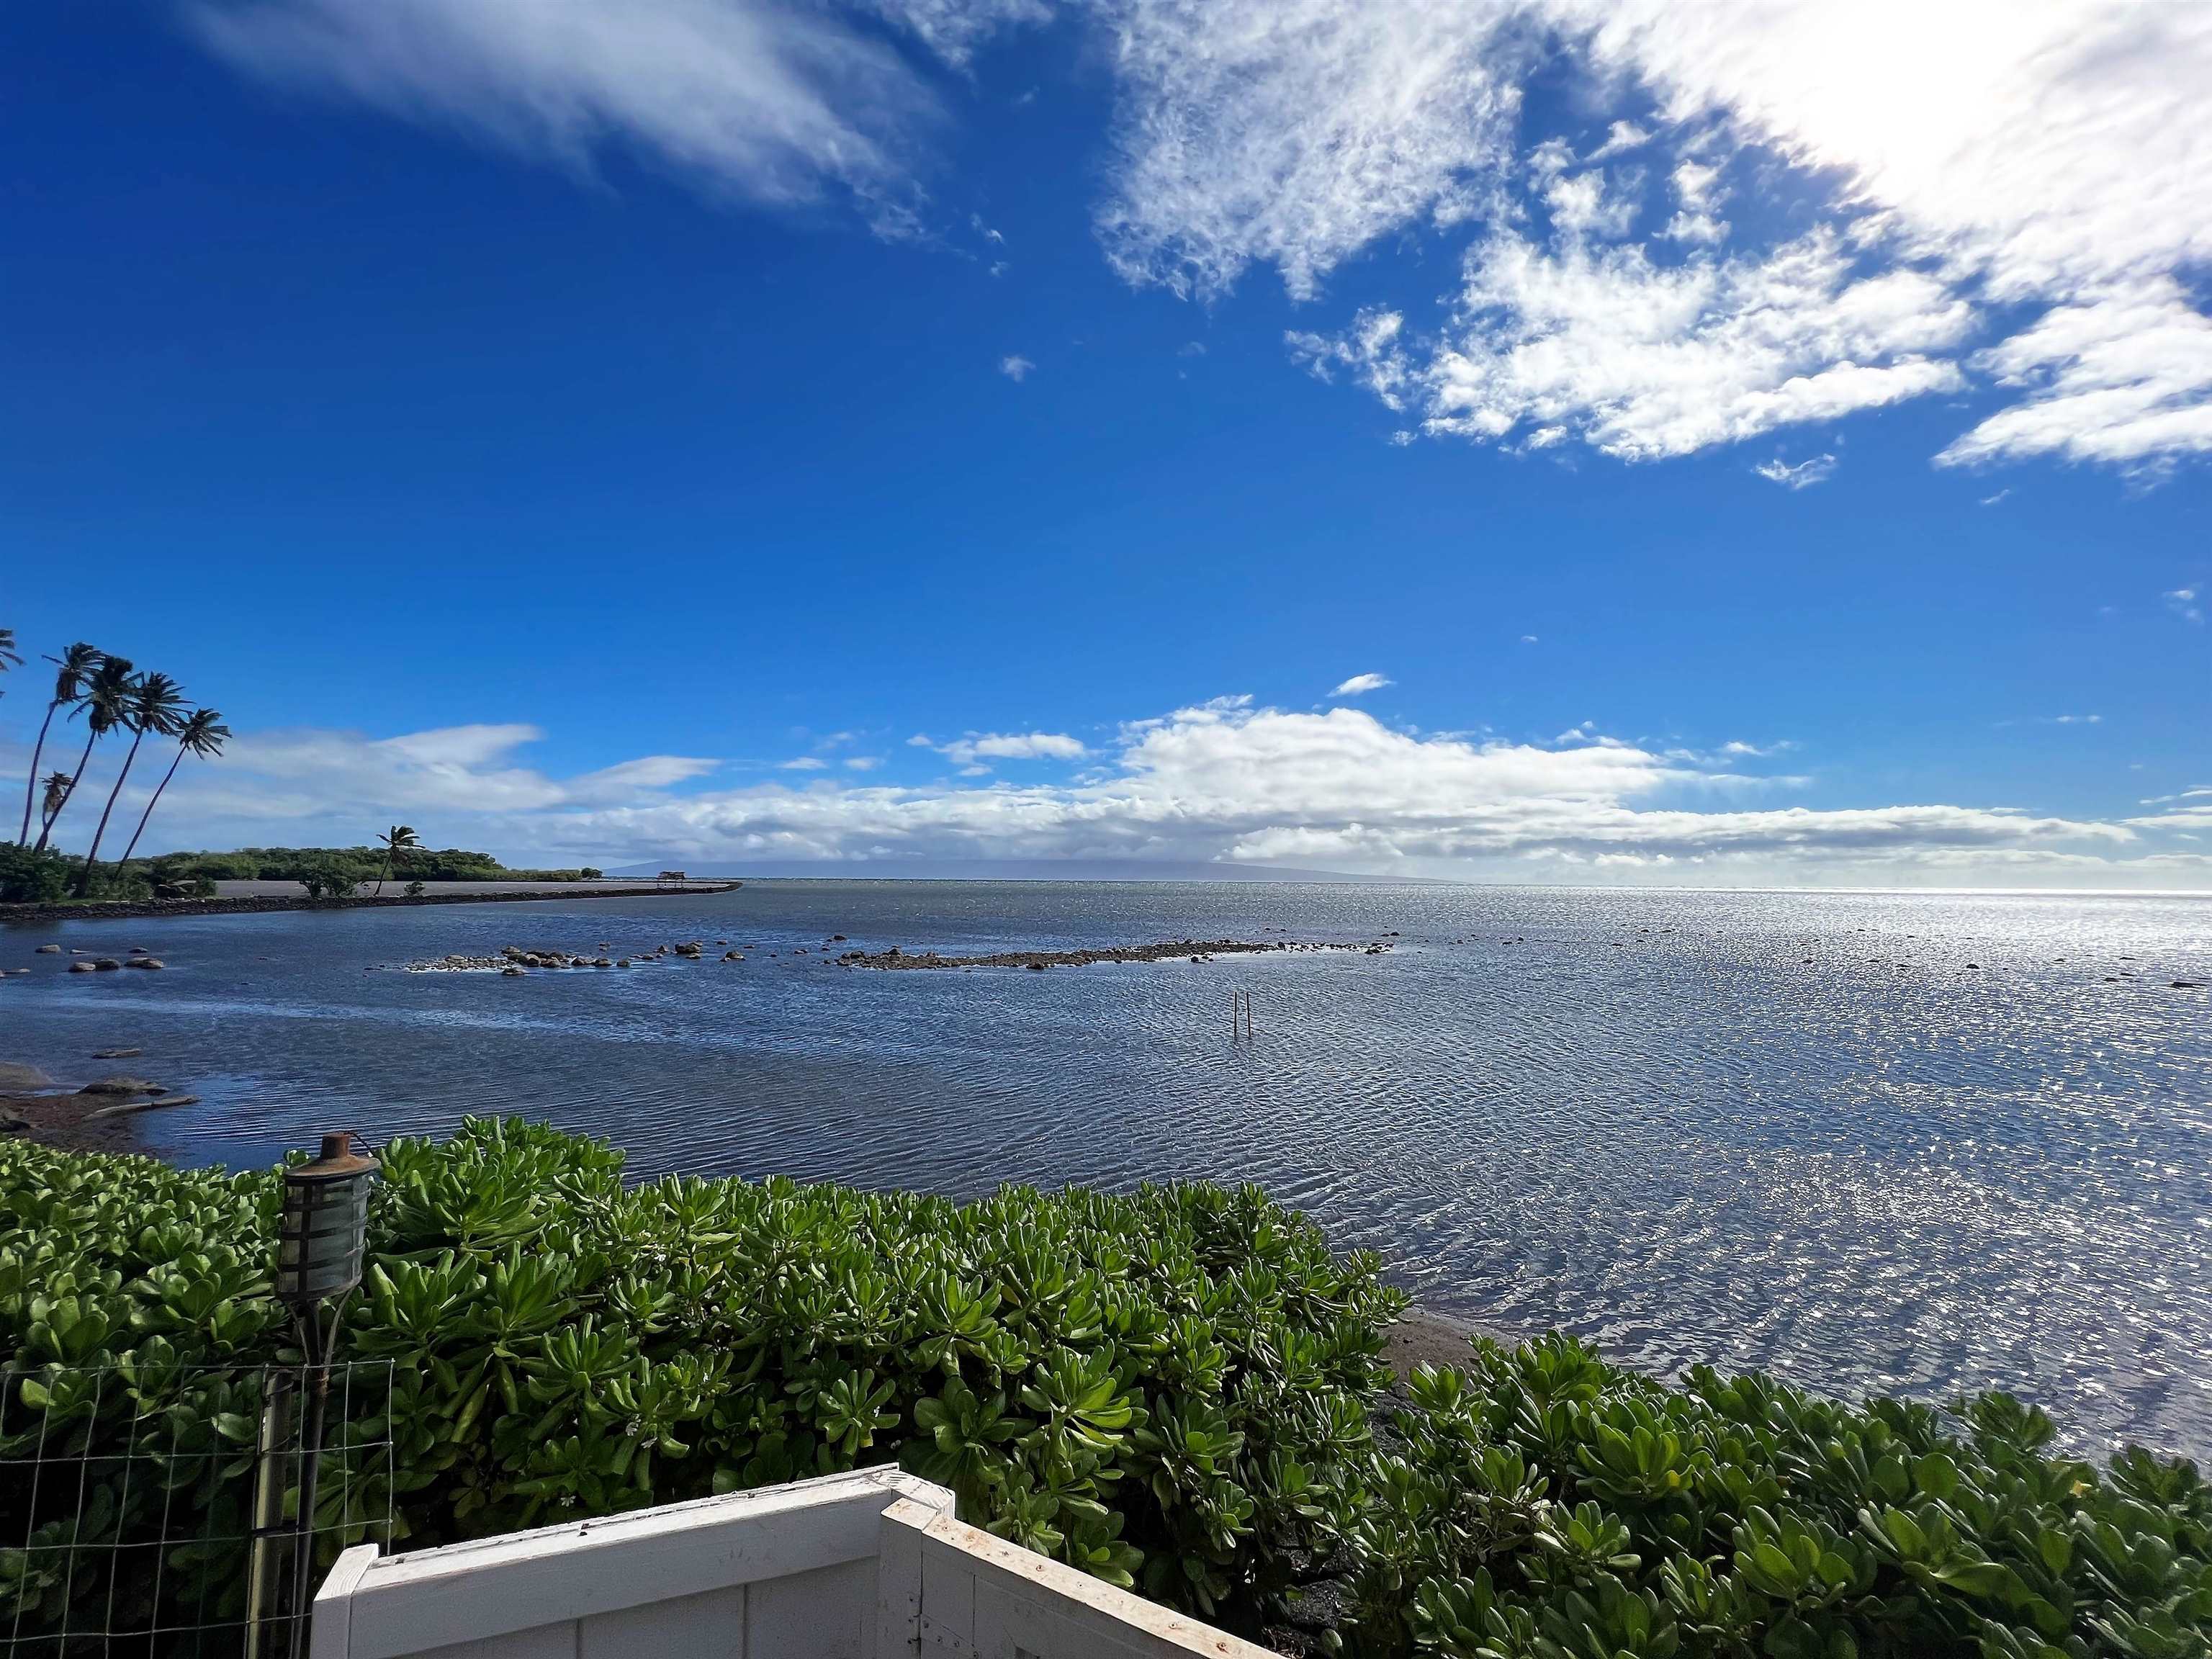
(156, 704)
(71, 670)
(203, 734)
(105, 704)
(394, 841)
(58, 791)
(10, 657)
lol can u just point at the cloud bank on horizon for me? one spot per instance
(1224, 782)
(1795, 213)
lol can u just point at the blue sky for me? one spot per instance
(788, 437)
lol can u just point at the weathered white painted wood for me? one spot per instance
(1019, 1602)
(708, 1626)
(541, 1642)
(329, 1630)
(948, 1596)
(410, 1604)
(827, 1614)
(871, 1565)
(898, 1579)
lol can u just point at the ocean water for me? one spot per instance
(1912, 1143)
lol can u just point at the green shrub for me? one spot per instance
(28, 876)
(295, 863)
(1177, 1387)
(331, 878)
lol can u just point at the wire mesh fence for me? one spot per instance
(133, 1497)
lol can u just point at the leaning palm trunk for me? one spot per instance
(175, 761)
(84, 876)
(31, 783)
(54, 816)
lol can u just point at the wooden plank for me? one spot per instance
(948, 1599)
(708, 1626)
(410, 1604)
(898, 1577)
(827, 1614)
(539, 1642)
(1095, 1611)
(330, 1629)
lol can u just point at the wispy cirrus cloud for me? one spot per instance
(771, 102)
(1817, 469)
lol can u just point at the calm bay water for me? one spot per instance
(1794, 1131)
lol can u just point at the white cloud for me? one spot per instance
(2184, 602)
(863, 762)
(765, 101)
(971, 751)
(2050, 146)
(1991, 501)
(1621, 137)
(2122, 376)
(1699, 191)
(1224, 781)
(1816, 470)
(1296, 134)
(1963, 155)
(1360, 684)
(806, 763)
(1643, 360)
(1527, 639)
(953, 28)
(1016, 367)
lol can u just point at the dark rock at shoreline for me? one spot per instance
(121, 1086)
(117, 1054)
(130, 1107)
(1191, 950)
(145, 962)
(49, 950)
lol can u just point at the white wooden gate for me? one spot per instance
(868, 1565)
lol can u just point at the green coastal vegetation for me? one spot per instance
(109, 699)
(1179, 1388)
(407, 862)
(44, 876)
